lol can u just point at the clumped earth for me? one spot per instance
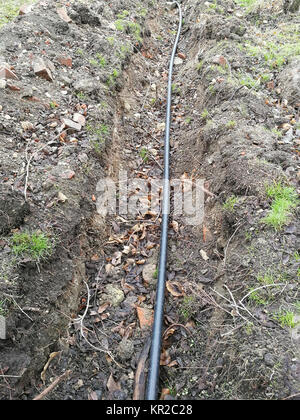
(82, 97)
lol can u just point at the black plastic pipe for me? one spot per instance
(153, 375)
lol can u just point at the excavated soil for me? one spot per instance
(83, 312)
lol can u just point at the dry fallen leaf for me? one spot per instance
(175, 288)
(164, 392)
(117, 258)
(173, 363)
(103, 307)
(165, 358)
(175, 226)
(112, 385)
(52, 355)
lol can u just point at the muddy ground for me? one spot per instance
(84, 98)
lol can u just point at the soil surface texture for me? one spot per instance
(83, 88)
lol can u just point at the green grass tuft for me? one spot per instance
(284, 200)
(34, 245)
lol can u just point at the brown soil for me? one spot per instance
(87, 308)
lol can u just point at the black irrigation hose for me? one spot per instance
(153, 376)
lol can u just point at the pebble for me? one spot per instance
(27, 125)
(2, 84)
(178, 61)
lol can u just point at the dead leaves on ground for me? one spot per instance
(175, 288)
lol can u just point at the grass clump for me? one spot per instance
(99, 133)
(10, 9)
(35, 246)
(187, 307)
(285, 318)
(229, 203)
(284, 200)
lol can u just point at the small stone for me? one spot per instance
(125, 349)
(65, 61)
(71, 125)
(2, 84)
(14, 88)
(1, 108)
(182, 56)
(6, 73)
(61, 197)
(79, 118)
(204, 255)
(27, 125)
(161, 126)
(68, 174)
(269, 359)
(149, 273)
(114, 295)
(62, 13)
(178, 61)
(25, 8)
(127, 106)
(288, 136)
(41, 70)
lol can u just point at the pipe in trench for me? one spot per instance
(153, 375)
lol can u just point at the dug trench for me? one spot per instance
(84, 312)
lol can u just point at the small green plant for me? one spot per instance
(111, 40)
(255, 297)
(200, 65)
(79, 51)
(101, 61)
(231, 124)
(175, 89)
(155, 274)
(204, 113)
(53, 105)
(188, 120)
(249, 82)
(81, 96)
(249, 328)
(187, 307)
(248, 236)
(99, 133)
(111, 80)
(284, 200)
(10, 9)
(230, 203)
(35, 246)
(297, 256)
(120, 25)
(144, 154)
(285, 318)
(277, 133)
(123, 14)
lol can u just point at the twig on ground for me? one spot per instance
(80, 320)
(52, 386)
(225, 252)
(262, 287)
